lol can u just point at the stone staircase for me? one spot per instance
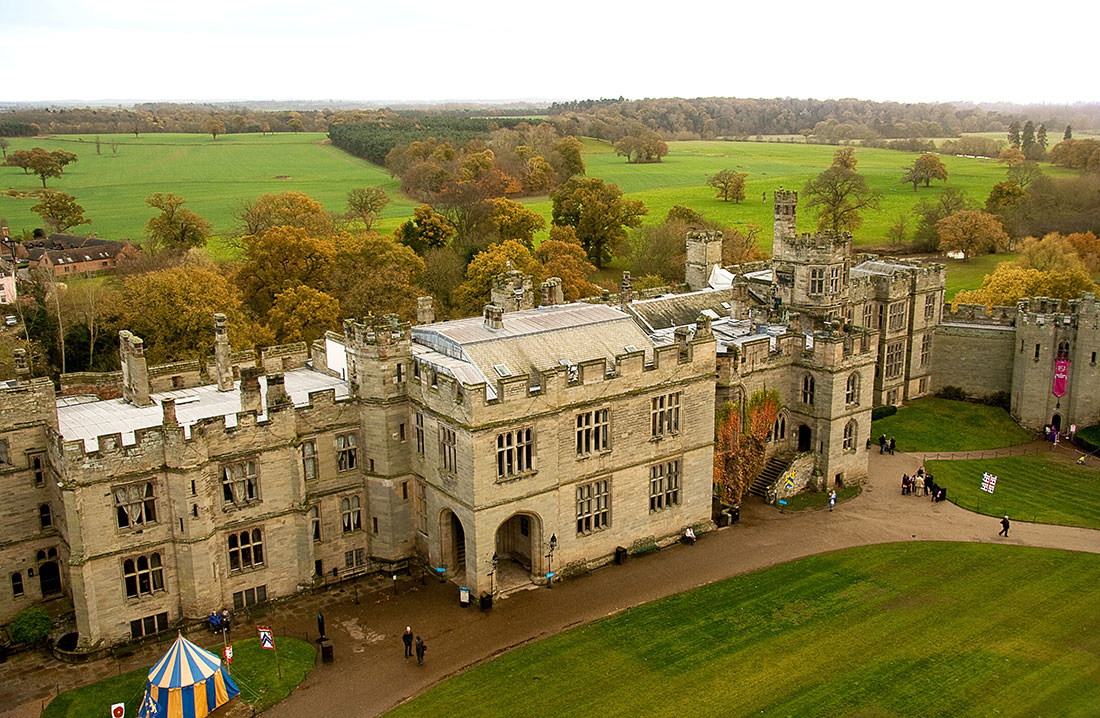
(775, 468)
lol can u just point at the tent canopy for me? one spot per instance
(185, 664)
(187, 682)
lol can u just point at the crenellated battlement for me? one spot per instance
(979, 314)
(374, 331)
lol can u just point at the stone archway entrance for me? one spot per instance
(804, 442)
(452, 544)
(49, 573)
(518, 549)
(1056, 423)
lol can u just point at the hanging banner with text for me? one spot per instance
(1061, 375)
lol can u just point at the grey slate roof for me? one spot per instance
(680, 309)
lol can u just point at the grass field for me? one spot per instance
(819, 499)
(913, 629)
(215, 175)
(253, 669)
(933, 424)
(1037, 487)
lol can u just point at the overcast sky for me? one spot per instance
(413, 50)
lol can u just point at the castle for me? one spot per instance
(539, 438)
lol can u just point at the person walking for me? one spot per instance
(832, 500)
(882, 444)
(1004, 527)
(407, 639)
(420, 649)
(904, 484)
(891, 445)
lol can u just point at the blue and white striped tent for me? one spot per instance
(187, 682)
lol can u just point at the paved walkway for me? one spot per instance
(370, 676)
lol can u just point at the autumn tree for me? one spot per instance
(175, 228)
(214, 127)
(427, 229)
(1010, 282)
(374, 274)
(567, 157)
(1025, 173)
(930, 211)
(729, 183)
(172, 310)
(282, 258)
(366, 204)
(511, 220)
(925, 168)
(1004, 196)
(43, 164)
(1051, 253)
(740, 448)
(898, 232)
(63, 158)
(286, 209)
(598, 213)
(20, 159)
(1011, 156)
(474, 292)
(1087, 247)
(839, 196)
(641, 147)
(845, 157)
(91, 306)
(302, 314)
(971, 232)
(59, 210)
(563, 257)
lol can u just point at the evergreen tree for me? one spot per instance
(1028, 138)
(1068, 134)
(1014, 134)
(1041, 136)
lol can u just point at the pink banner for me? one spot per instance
(1061, 374)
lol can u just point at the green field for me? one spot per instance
(1037, 487)
(216, 175)
(253, 670)
(819, 499)
(913, 629)
(933, 424)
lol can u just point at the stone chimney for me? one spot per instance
(626, 291)
(135, 371)
(223, 370)
(276, 391)
(683, 337)
(494, 317)
(22, 370)
(168, 409)
(513, 291)
(551, 294)
(425, 310)
(251, 400)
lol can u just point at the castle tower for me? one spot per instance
(785, 204)
(704, 250)
(513, 291)
(223, 368)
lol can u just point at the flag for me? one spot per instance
(989, 482)
(149, 706)
(228, 653)
(118, 710)
(266, 639)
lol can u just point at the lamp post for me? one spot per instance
(492, 573)
(550, 561)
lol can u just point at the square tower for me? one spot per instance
(704, 250)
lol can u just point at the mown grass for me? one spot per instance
(933, 424)
(1036, 487)
(253, 669)
(819, 499)
(928, 629)
(963, 275)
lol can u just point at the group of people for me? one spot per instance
(885, 445)
(219, 622)
(922, 484)
(410, 645)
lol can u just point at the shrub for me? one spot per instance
(953, 393)
(1089, 438)
(1000, 399)
(31, 626)
(882, 412)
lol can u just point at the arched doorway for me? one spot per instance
(518, 549)
(804, 443)
(452, 544)
(1056, 423)
(49, 573)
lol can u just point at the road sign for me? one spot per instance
(118, 710)
(228, 653)
(266, 639)
(989, 482)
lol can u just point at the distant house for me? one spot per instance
(68, 255)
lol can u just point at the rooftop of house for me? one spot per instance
(731, 333)
(85, 417)
(529, 341)
(674, 310)
(880, 268)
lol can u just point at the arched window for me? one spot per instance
(850, 436)
(1063, 350)
(851, 391)
(779, 429)
(808, 390)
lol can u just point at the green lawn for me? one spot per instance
(933, 424)
(962, 275)
(913, 629)
(819, 499)
(1036, 487)
(253, 669)
(216, 175)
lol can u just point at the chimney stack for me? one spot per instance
(251, 399)
(276, 391)
(425, 310)
(22, 371)
(494, 317)
(222, 368)
(552, 295)
(168, 408)
(626, 291)
(135, 371)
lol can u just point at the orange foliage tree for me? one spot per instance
(739, 447)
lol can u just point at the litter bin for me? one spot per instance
(327, 655)
(620, 555)
(735, 515)
(486, 602)
(463, 596)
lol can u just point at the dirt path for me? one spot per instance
(370, 676)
